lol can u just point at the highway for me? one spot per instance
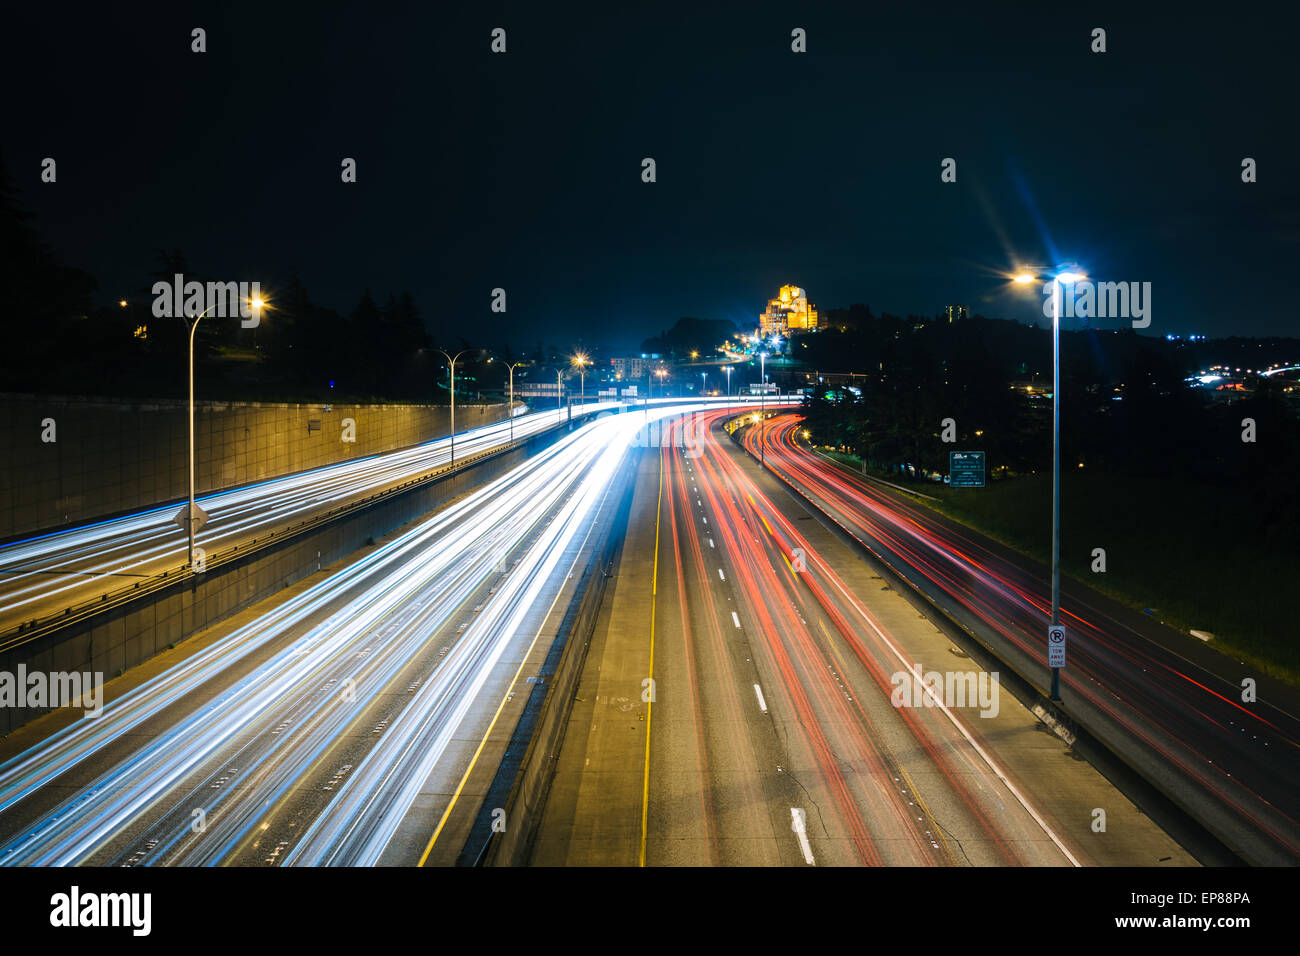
(738, 707)
(331, 728)
(43, 575)
(1233, 765)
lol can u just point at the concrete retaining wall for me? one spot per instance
(112, 457)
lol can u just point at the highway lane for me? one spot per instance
(844, 743)
(1234, 766)
(772, 737)
(41, 576)
(308, 735)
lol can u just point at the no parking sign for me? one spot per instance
(1056, 646)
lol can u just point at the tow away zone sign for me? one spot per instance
(1056, 646)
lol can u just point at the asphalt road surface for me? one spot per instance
(740, 706)
(1166, 703)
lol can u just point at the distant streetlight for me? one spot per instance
(511, 411)
(451, 368)
(704, 383)
(581, 361)
(1058, 280)
(191, 511)
(727, 369)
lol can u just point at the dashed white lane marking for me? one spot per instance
(721, 575)
(710, 542)
(762, 704)
(797, 824)
(735, 617)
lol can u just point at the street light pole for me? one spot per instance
(451, 367)
(189, 514)
(581, 361)
(727, 369)
(1056, 472)
(762, 403)
(1058, 280)
(511, 410)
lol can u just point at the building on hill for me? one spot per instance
(789, 312)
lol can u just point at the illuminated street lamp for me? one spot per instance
(727, 369)
(649, 386)
(511, 409)
(704, 383)
(512, 368)
(762, 400)
(451, 363)
(1058, 280)
(581, 361)
(192, 512)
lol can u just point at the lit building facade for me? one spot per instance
(789, 312)
(633, 368)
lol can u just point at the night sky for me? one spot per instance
(523, 170)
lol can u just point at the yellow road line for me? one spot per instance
(654, 591)
(510, 689)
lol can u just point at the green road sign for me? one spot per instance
(966, 469)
